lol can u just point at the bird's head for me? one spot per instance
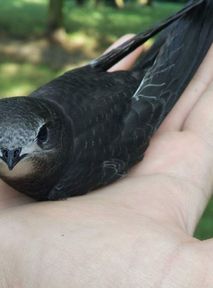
(30, 135)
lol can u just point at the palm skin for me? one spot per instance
(136, 232)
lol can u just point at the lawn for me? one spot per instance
(90, 32)
(26, 61)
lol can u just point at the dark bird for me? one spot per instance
(86, 128)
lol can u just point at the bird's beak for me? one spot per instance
(11, 157)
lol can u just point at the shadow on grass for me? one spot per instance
(44, 52)
(22, 18)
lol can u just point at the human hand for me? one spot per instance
(136, 232)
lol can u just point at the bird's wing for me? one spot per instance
(109, 59)
(187, 42)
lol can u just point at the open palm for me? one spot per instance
(136, 232)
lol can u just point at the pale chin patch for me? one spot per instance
(22, 169)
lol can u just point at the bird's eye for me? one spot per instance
(42, 134)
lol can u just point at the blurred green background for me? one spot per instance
(40, 39)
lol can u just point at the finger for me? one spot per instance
(206, 247)
(187, 157)
(197, 86)
(200, 123)
(127, 62)
(200, 120)
(178, 166)
(189, 182)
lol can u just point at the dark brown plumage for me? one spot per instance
(89, 126)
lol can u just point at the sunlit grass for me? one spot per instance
(107, 24)
(21, 79)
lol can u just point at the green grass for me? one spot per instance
(205, 227)
(107, 24)
(19, 79)
(27, 18)
(94, 29)
(22, 18)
